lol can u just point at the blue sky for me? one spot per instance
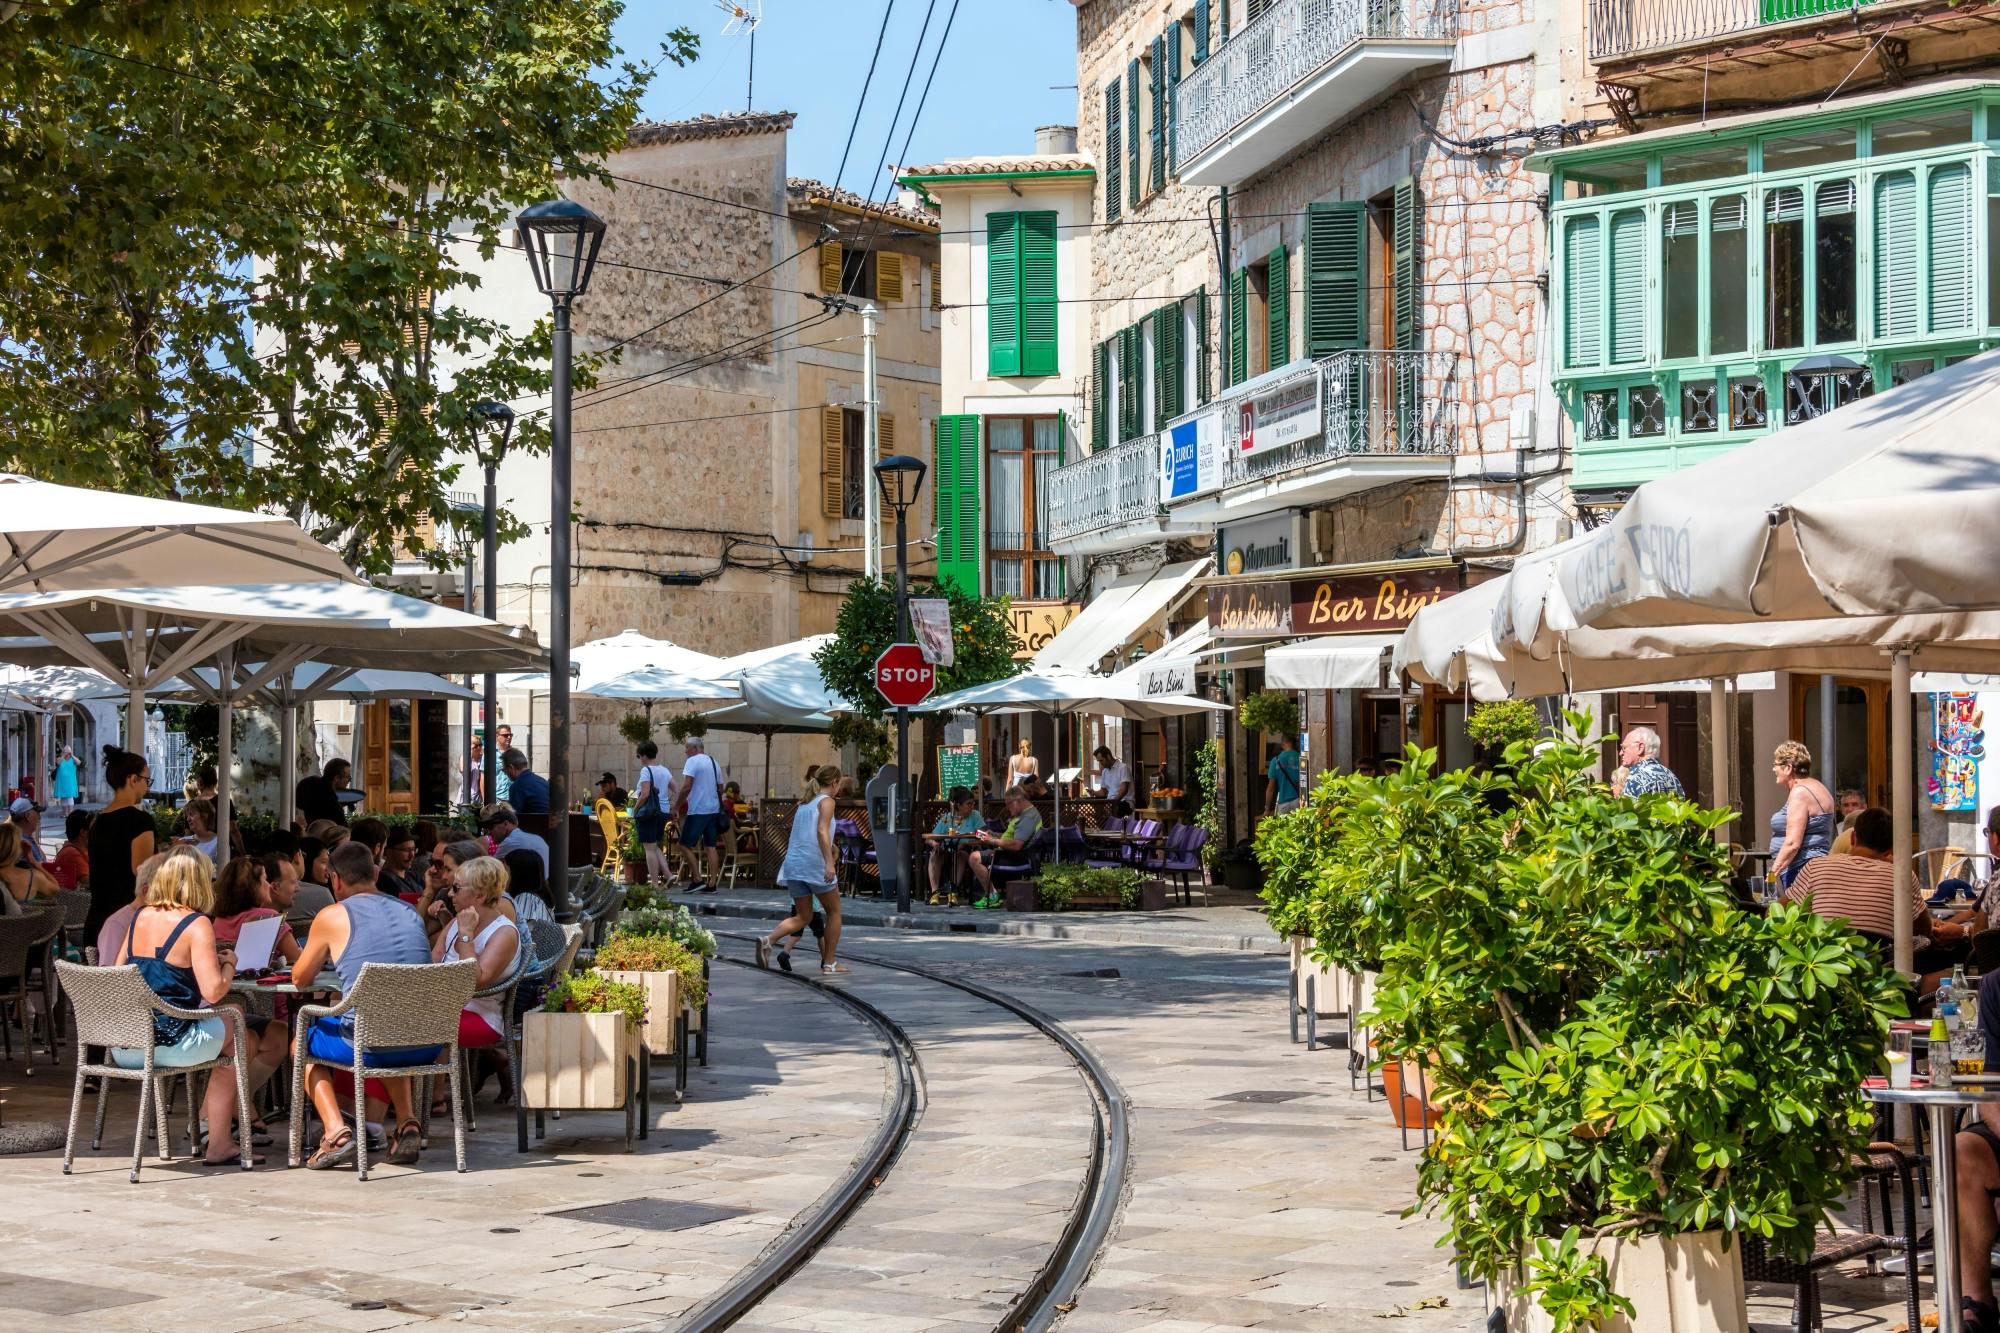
(992, 87)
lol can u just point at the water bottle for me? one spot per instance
(1947, 1007)
(1959, 985)
(1940, 1054)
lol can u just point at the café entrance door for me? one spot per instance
(1861, 734)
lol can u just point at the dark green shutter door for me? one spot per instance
(1133, 166)
(1204, 383)
(1239, 327)
(1131, 384)
(1003, 293)
(1037, 242)
(1409, 227)
(944, 486)
(1200, 31)
(1173, 81)
(957, 495)
(1336, 281)
(1169, 370)
(1278, 305)
(1100, 405)
(1114, 128)
(1156, 138)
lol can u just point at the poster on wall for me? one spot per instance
(1958, 743)
(930, 620)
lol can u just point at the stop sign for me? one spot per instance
(903, 677)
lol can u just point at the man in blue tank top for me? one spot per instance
(363, 926)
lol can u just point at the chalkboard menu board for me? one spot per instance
(957, 766)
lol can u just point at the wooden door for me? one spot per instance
(375, 755)
(389, 736)
(1861, 730)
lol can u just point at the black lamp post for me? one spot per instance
(495, 424)
(901, 477)
(561, 238)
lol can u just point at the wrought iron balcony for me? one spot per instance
(1620, 28)
(1293, 72)
(1372, 402)
(1108, 489)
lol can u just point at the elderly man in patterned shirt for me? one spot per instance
(1645, 774)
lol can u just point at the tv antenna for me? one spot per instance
(745, 17)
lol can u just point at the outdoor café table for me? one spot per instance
(326, 983)
(1938, 1105)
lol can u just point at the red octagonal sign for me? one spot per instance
(903, 677)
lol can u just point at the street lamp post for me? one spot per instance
(901, 477)
(561, 238)
(495, 422)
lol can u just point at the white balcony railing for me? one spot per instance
(1111, 487)
(1372, 402)
(1620, 28)
(1282, 46)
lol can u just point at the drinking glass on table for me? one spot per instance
(1898, 1056)
(1968, 1052)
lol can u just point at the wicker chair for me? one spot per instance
(114, 1007)
(394, 1005)
(23, 941)
(1883, 1164)
(505, 988)
(76, 915)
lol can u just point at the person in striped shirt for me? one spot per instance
(1860, 888)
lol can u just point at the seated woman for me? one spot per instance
(71, 867)
(199, 816)
(481, 931)
(173, 945)
(22, 879)
(527, 889)
(243, 895)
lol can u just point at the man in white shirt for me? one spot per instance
(1113, 778)
(701, 784)
(504, 827)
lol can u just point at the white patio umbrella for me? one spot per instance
(622, 653)
(1061, 693)
(782, 693)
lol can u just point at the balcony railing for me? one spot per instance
(1628, 27)
(1372, 402)
(1113, 486)
(1283, 45)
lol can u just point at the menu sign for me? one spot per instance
(1367, 603)
(1250, 610)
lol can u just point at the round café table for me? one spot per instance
(1938, 1105)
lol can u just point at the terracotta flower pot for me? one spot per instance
(1411, 1107)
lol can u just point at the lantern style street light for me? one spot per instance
(901, 477)
(561, 239)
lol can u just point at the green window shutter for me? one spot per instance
(957, 500)
(1898, 255)
(1062, 437)
(1204, 385)
(1114, 126)
(1628, 285)
(1003, 293)
(1583, 292)
(1239, 327)
(1409, 259)
(1133, 166)
(1951, 247)
(1100, 380)
(1168, 367)
(1336, 283)
(1173, 81)
(1278, 306)
(1201, 30)
(1156, 138)
(1037, 245)
(1131, 390)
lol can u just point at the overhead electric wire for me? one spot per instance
(888, 7)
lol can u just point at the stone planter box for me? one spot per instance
(1019, 895)
(577, 1062)
(1678, 1284)
(663, 1007)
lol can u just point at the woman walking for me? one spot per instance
(1802, 830)
(651, 793)
(808, 872)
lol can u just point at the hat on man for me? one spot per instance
(606, 780)
(21, 805)
(498, 813)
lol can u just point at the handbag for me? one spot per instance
(650, 807)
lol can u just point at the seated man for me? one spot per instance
(1860, 888)
(503, 826)
(362, 926)
(949, 840)
(1023, 823)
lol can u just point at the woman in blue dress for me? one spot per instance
(1802, 830)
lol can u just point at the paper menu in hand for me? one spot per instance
(254, 943)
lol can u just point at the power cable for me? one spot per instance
(888, 8)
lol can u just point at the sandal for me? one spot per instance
(785, 959)
(406, 1144)
(831, 969)
(336, 1149)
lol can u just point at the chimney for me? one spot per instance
(1055, 140)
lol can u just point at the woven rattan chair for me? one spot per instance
(1883, 1165)
(394, 1006)
(76, 915)
(114, 1007)
(506, 988)
(23, 939)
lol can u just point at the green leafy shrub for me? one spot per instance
(1060, 885)
(636, 728)
(627, 951)
(982, 641)
(1208, 781)
(1275, 711)
(1499, 723)
(869, 738)
(684, 725)
(673, 920)
(589, 993)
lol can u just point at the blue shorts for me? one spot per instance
(333, 1039)
(650, 828)
(201, 1043)
(701, 830)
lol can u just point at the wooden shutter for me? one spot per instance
(1408, 243)
(1173, 82)
(1951, 247)
(1200, 31)
(1278, 309)
(1169, 367)
(1336, 281)
(888, 277)
(1156, 137)
(1132, 163)
(1114, 128)
(1238, 342)
(1100, 403)
(956, 467)
(937, 290)
(1898, 254)
(1131, 391)
(1203, 380)
(829, 267)
(885, 434)
(1628, 285)
(1003, 294)
(832, 463)
(1037, 246)
(1583, 292)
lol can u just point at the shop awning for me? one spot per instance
(1336, 662)
(1118, 614)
